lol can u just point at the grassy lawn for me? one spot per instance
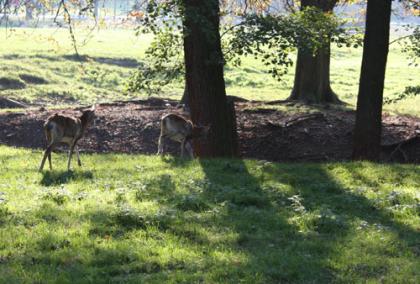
(138, 219)
(46, 53)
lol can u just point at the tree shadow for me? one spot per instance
(52, 178)
(116, 61)
(253, 221)
(175, 161)
(264, 234)
(268, 221)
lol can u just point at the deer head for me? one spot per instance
(88, 117)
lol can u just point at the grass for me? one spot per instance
(140, 219)
(47, 54)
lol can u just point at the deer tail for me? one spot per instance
(48, 128)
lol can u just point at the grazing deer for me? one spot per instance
(181, 130)
(66, 129)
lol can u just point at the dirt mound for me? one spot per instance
(32, 79)
(11, 83)
(268, 134)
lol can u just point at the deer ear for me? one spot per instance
(93, 108)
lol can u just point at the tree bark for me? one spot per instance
(312, 75)
(367, 132)
(96, 9)
(29, 8)
(205, 82)
(184, 99)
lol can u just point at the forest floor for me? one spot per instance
(277, 131)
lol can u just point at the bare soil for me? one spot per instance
(268, 134)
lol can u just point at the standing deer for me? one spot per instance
(66, 129)
(181, 130)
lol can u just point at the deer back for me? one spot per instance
(62, 128)
(176, 127)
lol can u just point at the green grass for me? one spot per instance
(46, 53)
(140, 219)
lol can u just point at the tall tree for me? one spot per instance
(204, 76)
(312, 75)
(29, 8)
(367, 132)
(96, 9)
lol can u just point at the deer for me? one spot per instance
(179, 129)
(60, 128)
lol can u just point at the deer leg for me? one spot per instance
(46, 154)
(182, 148)
(78, 157)
(160, 145)
(189, 149)
(70, 155)
(49, 157)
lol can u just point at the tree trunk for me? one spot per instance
(312, 75)
(29, 8)
(367, 132)
(96, 9)
(184, 100)
(205, 82)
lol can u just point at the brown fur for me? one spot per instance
(181, 130)
(66, 129)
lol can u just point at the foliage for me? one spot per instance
(272, 37)
(150, 220)
(409, 91)
(164, 56)
(411, 45)
(163, 64)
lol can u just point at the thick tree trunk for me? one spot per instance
(312, 78)
(367, 133)
(312, 75)
(205, 82)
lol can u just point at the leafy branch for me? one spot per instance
(410, 91)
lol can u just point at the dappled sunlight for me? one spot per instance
(151, 218)
(295, 202)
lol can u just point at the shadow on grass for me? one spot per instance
(116, 61)
(51, 178)
(277, 249)
(267, 221)
(175, 161)
(262, 206)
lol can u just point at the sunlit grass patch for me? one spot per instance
(109, 57)
(138, 218)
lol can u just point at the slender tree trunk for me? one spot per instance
(205, 82)
(312, 76)
(96, 9)
(367, 132)
(29, 8)
(115, 10)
